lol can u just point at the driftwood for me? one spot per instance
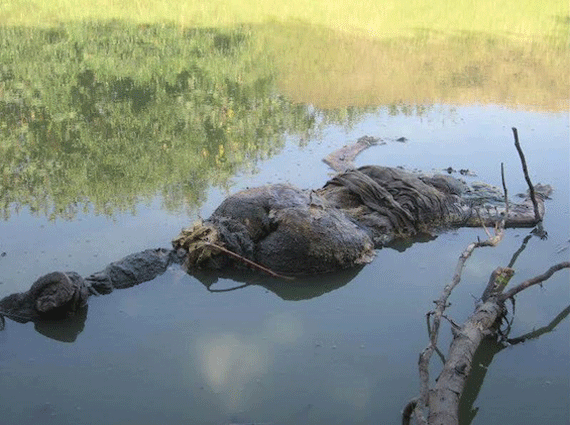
(440, 405)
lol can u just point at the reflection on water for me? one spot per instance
(64, 330)
(229, 365)
(103, 115)
(233, 364)
(97, 118)
(343, 354)
(302, 288)
(109, 114)
(331, 69)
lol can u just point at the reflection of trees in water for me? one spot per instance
(111, 114)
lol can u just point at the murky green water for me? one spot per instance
(108, 149)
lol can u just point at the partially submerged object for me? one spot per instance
(286, 231)
(291, 232)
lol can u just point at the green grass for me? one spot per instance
(387, 18)
(345, 53)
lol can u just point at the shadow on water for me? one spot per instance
(64, 330)
(482, 361)
(67, 329)
(299, 289)
(216, 281)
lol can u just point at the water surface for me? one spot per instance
(98, 166)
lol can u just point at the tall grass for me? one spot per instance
(371, 52)
(386, 18)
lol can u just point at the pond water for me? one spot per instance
(339, 349)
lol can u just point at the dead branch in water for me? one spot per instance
(439, 405)
(342, 159)
(526, 176)
(505, 189)
(441, 402)
(534, 281)
(422, 403)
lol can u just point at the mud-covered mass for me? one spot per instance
(303, 232)
(287, 231)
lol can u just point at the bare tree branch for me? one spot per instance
(526, 176)
(505, 188)
(409, 411)
(441, 305)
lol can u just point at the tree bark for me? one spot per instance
(444, 397)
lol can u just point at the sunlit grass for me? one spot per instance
(344, 53)
(388, 18)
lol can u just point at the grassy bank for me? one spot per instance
(389, 18)
(339, 54)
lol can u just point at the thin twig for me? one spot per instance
(440, 354)
(526, 176)
(248, 262)
(505, 188)
(483, 226)
(451, 321)
(534, 281)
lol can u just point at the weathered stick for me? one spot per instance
(505, 189)
(441, 304)
(248, 262)
(342, 159)
(444, 398)
(526, 176)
